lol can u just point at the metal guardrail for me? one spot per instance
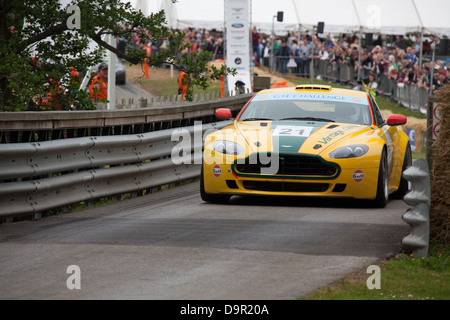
(39, 126)
(36, 177)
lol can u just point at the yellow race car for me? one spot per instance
(309, 140)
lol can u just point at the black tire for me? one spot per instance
(404, 183)
(382, 197)
(213, 198)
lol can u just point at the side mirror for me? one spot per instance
(223, 113)
(396, 120)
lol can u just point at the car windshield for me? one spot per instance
(308, 107)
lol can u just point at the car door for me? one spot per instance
(391, 136)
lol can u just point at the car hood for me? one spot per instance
(296, 136)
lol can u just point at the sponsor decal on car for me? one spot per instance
(358, 175)
(330, 137)
(217, 171)
(311, 97)
(297, 131)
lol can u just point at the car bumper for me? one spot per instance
(351, 182)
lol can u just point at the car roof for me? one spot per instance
(316, 89)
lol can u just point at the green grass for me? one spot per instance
(403, 277)
(169, 87)
(419, 155)
(166, 87)
(388, 104)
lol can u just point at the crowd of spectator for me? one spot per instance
(198, 39)
(398, 59)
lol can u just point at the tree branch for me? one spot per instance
(57, 29)
(119, 53)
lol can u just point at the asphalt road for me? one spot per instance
(171, 245)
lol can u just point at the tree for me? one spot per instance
(42, 41)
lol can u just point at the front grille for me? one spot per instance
(290, 165)
(282, 186)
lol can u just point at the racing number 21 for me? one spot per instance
(292, 131)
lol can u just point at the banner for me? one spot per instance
(238, 44)
(437, 117)
(412, 138)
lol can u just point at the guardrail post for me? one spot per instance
(418, 217)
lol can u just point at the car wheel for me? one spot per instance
(213, 198)
(404, 186)
(383, 183)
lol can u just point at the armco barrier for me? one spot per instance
(40, 126)
(36, 177)
(418, 217)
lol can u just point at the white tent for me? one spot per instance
(339, 16)
(434, 16)
(199, 14)
(209, 14)
(380, 16)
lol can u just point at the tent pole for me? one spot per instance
(421, 50)
(359, 54)
(272, 43)
(252, 71)
(111, 75)
(433, 46)
(311, 67)
(421, 33)
(359, 42)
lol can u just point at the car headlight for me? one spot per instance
(352, 151)
(228, 147)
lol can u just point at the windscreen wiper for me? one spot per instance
(308, 118)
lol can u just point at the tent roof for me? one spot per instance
(380, 16)
(209, 14)
(199, 14)
(435, 16)
(339, 16)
